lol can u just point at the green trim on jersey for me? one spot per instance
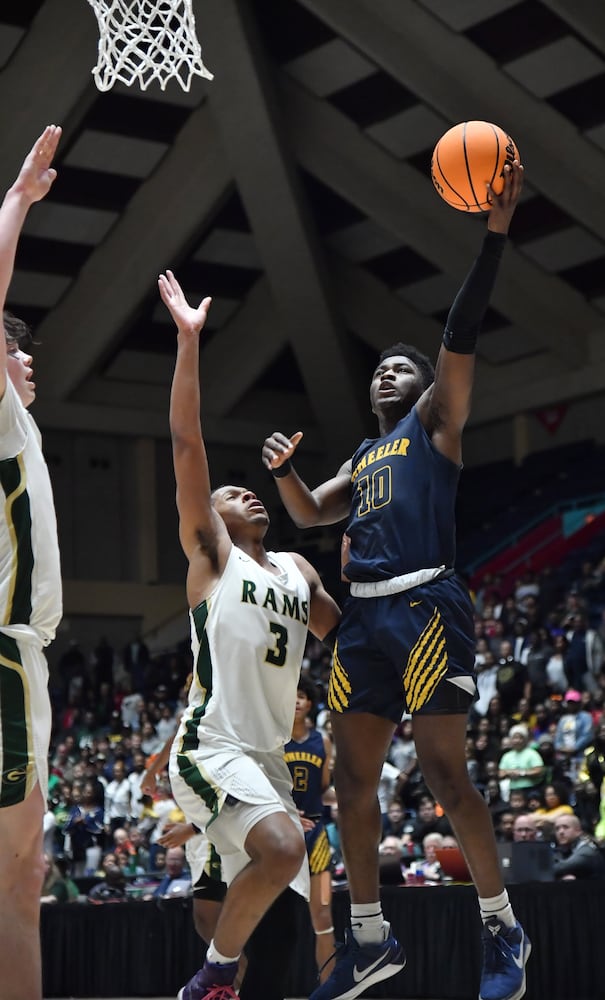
(190, 742)
(203, 664)
(15, 780)
(213, 865)
(18, 518)
(191, 775)
(202, 676)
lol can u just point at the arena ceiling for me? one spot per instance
(295, 190)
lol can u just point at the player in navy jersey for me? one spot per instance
(309, 758)
(406, 639)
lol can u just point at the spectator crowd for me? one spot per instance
(535, 750)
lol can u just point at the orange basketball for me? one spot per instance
(468, 157)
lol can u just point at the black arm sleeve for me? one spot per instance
(469, 306)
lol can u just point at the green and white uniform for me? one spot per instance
(30, 602)
(248, 640)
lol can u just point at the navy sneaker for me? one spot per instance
(360, 966)
(505, 952)
(211, 982)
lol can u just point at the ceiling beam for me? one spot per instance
(242, 351)
(500, 392)
(452, 75)
(530, 387)
(403, 202)
(165, 214)
(244, 104)
(364, 299)
(586, 16)
(47, 80)
(107, 414)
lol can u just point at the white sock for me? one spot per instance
(214, 956)
(367, 923)
(497, 906)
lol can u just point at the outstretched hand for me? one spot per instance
(36, 175)
(176, 834)
(504, 204)
(188, 320)
(278, 448)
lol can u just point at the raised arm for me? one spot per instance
(202, 532)
(326, 504)
(445, 406)
(32, 184)
(324, 613)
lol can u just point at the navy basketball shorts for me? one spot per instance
(318, 848)
(399, 653)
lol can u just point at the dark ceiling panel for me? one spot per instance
(400, 267)
(51, 256)
(289, 29)
(538, 216)
(373, 99)
(583, 104)
(93, 188)
(131, 116)
(331, 211)
(517, 30)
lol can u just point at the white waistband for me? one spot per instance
(380, 588)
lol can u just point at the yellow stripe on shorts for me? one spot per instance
(319, 858)
(427, 664)
(339, 687)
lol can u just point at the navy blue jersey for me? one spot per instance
(306, 761)
(402, 508)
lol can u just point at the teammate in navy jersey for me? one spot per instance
(309, 758)
(406, 639)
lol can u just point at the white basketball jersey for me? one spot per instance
(248, 640)
(30, 571)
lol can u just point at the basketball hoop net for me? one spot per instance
(146, 40)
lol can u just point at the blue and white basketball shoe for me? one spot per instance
(360, 966)
(505, 952)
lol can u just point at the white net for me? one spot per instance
(146, 40)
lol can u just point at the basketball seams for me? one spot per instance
(470, 154)
(450, 186)
(468, 166)
(496, 172)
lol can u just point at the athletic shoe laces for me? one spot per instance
(495, 947)
(220, 993)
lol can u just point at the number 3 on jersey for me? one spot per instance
(276, 656)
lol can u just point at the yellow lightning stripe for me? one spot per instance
(320, 855)
(427, 663)
(340, 687)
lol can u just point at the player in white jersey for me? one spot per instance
(251, 611)
(265, 965)
(30, 610)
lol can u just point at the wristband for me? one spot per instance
(282, 470)
(460, 343)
